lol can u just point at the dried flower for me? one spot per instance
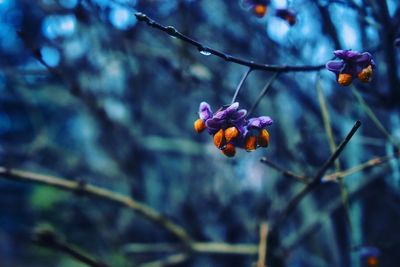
(352, 65)
(230, 128)
(287, 15)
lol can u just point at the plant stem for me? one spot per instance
(240, 84)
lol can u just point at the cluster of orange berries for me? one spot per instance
(230, 128)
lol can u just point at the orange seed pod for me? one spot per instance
(219, 139)
(199, 125)
(263, 138)
(260, 10)
(366, 74)
(372, 261)
(231, 133)
(229, 150)
(250, 143)
(344, 79)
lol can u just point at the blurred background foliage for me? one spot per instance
(119, 114)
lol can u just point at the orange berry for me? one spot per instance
(199, 125)
(344, 79)
(366, 74)
(260, 10)
(263, 138)
(291, 19)
(372, 261)
(219, 139)
(251, 143)
(229, 150)
(231, 133)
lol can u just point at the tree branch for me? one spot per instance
(207, 50)
(317, 178)
(262, 247)
(299, 178)
(95, 191)
(196, 247)
(49, 239)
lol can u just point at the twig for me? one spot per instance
(332, 145)
(299, 178)
(241, 84)
(168, 261)
(262, 247)
(368, 164)
(95, 191)
(262, 93)
(327, 122)
(196, 247)
(207, 50)
(49, 239)
(317, 178)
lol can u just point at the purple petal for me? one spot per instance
(220, 115)
(364, 58)
(205, 111)
(239, 115)
(335, 66)
(260, 122)
(232, 108)
(214, 124)
(347, 54)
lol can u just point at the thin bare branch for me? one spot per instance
(95, 191)
(49, 239)
(262, 247)
(366, 165)
(207, 50)
(241, 84)
(263, 92)
(317, 178)
(168, 261)
(300, 178)
(196, 247)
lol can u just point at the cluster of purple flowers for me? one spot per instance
(352, 64)
(230, 128)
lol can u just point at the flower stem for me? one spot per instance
(241, 84)
(262, 93)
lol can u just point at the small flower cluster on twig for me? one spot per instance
(230, 128)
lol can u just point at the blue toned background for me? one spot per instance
(115, 108)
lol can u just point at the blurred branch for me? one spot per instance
(317, 178)
(95, 191)
(332, 145)
(208, 51)
(372, 116)
(300, 178)
(387, 38)
(262, 247)
(329, 26)
(327, 121)
(49, 239)
(168, 261)
(195, 247)
(366, 165)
